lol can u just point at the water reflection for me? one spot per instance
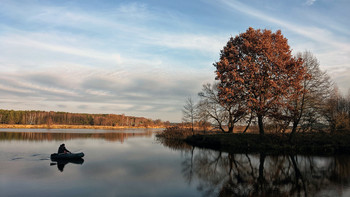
(61, 163)
(136, 167)
(49, 136)
(223, 174)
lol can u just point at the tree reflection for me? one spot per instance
(40, 136)
(223, 174)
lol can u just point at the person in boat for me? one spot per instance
(62, 149)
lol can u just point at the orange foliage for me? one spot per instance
(258, 69)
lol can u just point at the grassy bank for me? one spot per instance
(45, 126)
(302, 143)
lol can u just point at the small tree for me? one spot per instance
(336, 111)
(189, 112)
(330, 110)
(306, 106)
(221, 113)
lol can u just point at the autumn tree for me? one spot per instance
(257, 67)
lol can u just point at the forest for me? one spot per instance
(65, 118)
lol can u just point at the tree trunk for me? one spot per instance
(220, 127)
(250, 120)
(192, 129)
(295, 126)
(230, 129)
(230, 122)
(261, 124)
(297, 117)
(294, 129)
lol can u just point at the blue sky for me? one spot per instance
(143, 58)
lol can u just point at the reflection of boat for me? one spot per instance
(62, 162)
(63, 156)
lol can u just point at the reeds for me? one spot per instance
(176, 132)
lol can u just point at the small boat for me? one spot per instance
(56, 156)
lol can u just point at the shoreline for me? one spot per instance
(45, 126)
(318, 143)
(272, 144)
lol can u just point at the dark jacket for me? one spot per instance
(61, 149)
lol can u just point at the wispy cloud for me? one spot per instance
(310, 2)
(19, 41)
(197, 42)
(313, 33)
(129, 21)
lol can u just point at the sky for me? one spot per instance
(144, 58)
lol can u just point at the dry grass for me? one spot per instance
(177, 133)
(45, 126)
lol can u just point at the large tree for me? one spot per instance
(257, 67)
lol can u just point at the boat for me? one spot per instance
(68, 156)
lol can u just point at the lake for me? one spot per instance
(132, 162)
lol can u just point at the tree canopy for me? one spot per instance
(257, 68)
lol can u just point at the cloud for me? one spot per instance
(314, 33)
(77, 71)
(61, 106)
(195, 42)
(98, 90)
(129, 21)
(310, 2)
(29, 41)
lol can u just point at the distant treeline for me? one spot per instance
(65, 118)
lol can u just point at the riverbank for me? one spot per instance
(302, 143)
(319, 143)
(45, 126)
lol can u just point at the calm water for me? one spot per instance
(133, 163)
